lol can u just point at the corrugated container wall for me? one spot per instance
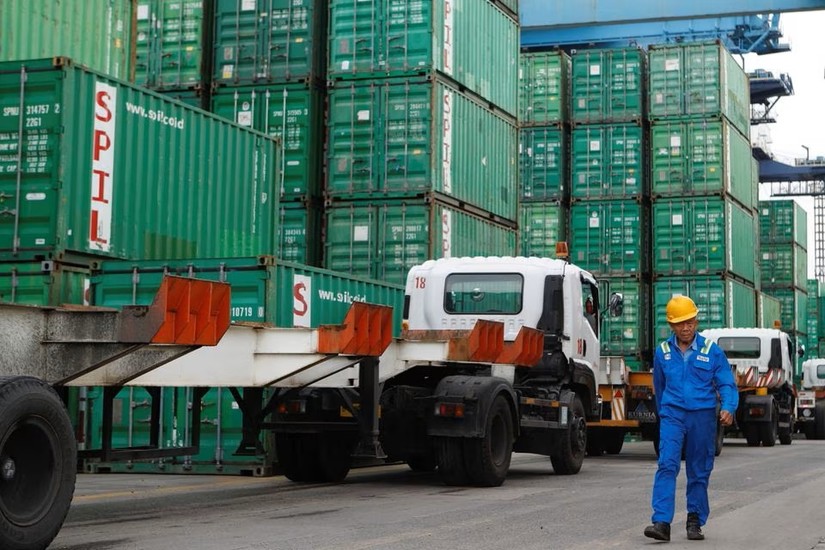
(783, 221)
(768, 310)
(783, 265)
(793, 307)
(543, 164)
(110, 170)
(299, 233)
(474, 43)
(264, 289)
(812, 315)
(703, 236)
(171, 44)
(722, 301)
(700, 157)
(698, 79)
(543, 82)
(609, 238)
(43, 283)
(607, 161)
(294, 113)
(383, 240)
(96, 33)
(541, 226)
(396, 137)
(608, 85)
(266, 41)
(629, 333)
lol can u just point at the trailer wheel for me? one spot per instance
(488, 458)
(614, 442)
(293, 457)
(450, 458)
(769, 431)
(422, 463)
(568, 455)
(595, 445)
(809, 429)
(752, 434)
(820, 420)
(38, 462)
(334, 455)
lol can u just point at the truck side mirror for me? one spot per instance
(800, 350)
(616, 304)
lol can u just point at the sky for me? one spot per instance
(800, 117)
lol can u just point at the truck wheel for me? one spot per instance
(785, 436)
(422, 463)
(614, 442)
(752, 436)
(820, 420)
(488, 457)
(595, 444)
(334, 456)
(38, 463)
(809, 429)
(568, 455)
(769, 431)
(293, 456)
(450, 458)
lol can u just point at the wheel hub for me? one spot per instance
(7, 468)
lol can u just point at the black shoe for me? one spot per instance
(659, 531)
(694, 531)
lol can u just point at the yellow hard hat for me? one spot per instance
(680, 308)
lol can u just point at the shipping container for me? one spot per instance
(384, 239)
(395, 138)
(193, 98)
(172, 44)
(607, 85)
(629, 333)
(703, 236)
(610, 238)
(698, 78)
(475, 44)
(783, 221)
(112, 170)
(95, 33)
(293, 113)
(299, 233)
(541, 226)
(607, 161)
(543, 83)
(700, 157)
(793, 304)
(264, 289)
(269, 41)
(543, 163)
(723, 302)
(783, 265)
(510, 7)
(813, 313)
(768, 310)
(43, 283)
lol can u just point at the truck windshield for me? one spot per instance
(740, 347)
(820, 372)
(480, 293)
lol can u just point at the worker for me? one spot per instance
(690, 375)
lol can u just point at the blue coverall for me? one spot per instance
(686, 387)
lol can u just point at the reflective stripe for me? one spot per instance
(665, 347)
(706, 348)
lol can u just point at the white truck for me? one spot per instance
(810, 409)
(763, 363)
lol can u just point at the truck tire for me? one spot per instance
(294, 457)
(820, 420)
(614, 441)
(334, 456)
(769, 431)
(488, 458)
(450, 458)
(595, 443)
(752, 434)
(38, 463)
(809, 429)
(422, 463)
(568, 455)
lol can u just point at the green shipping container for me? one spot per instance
(607, 85)
(813, 313)
(395, 138)
(698, 78)
(43, 283)
(543, 88)
(299, 233)
(783, 265)
(629, 333)
(783, 221)
(193, 98)
(510, 7)
(269, 41)
(543, 163)
(95, 33)
(293, 113)
(170, 38)
(609, 238)
(703, 236)
(541, 226)
(111, 170)
(264, 290)
(723, 302)
(793, 305)
(607, 161)
(700, 157)
(768, 310)
(384, 239)
(473, 43)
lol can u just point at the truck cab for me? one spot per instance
(810, 414)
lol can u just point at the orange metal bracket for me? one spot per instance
(195, 312)
(483, 344)
(366, 330)
(526, 350)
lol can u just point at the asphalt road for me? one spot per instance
(760, 498)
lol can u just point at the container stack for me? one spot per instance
(421, 134)
(610, 202)
(784, 261)
(812, 317)
(702, 184)
(544, 137)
